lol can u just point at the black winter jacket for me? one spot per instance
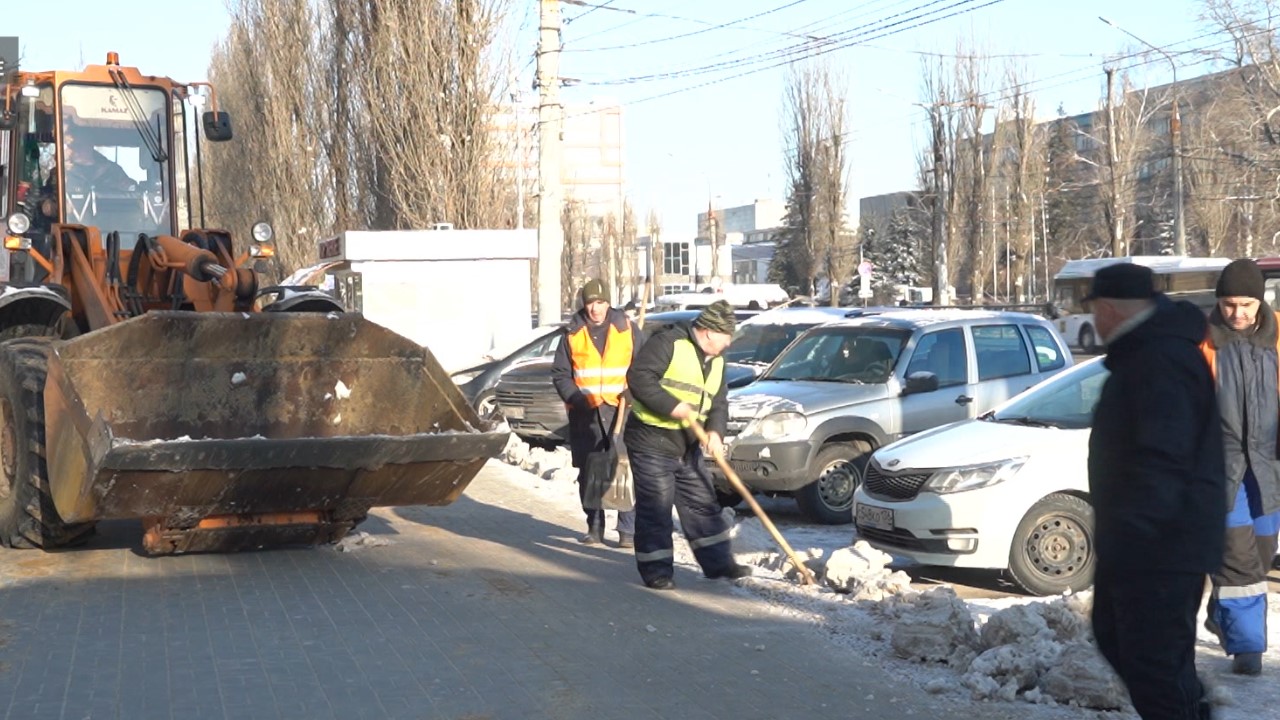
(1249, 400)
(644, 381)
(588, 426)
(1156, 473)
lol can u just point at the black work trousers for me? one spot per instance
(662, 481)
(1145, 624)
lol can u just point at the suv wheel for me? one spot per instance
(1052, 549)
(839, 467)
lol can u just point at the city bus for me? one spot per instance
(1186, 278)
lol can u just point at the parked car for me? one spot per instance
(808, 425)
(760, 339)
(479, 383)
(1006, 491)
(528, 401)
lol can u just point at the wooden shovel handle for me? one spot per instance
(806, 575)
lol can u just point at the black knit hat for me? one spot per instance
(717, 317)
(1122, 281)
(1241, 278)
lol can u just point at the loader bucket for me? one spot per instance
(227, 430)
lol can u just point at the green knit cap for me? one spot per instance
(717, 317)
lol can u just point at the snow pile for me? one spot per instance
(861, 572)
(753, 545)
(360, 541)
(554, 465)
(932, 626)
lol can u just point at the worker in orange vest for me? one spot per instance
(590, 375)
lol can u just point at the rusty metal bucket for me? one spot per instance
(182, 417)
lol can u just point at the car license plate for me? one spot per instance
(513, 413)
(874, 517)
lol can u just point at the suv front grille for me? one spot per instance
(893, 487)
(507, 396)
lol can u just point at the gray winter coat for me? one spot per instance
(1247, 367)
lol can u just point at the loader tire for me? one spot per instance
(28, 518)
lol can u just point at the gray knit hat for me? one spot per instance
(717, 317)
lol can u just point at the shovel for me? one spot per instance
(806, 575)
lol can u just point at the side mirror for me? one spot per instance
(217, 126)
(920, 382)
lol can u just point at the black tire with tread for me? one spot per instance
(1089, 339)
(811, 499)
(1053, 548)
(28, 518)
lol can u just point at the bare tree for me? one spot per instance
(1023, 174)
(577, 262)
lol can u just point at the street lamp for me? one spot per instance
(1175, 136)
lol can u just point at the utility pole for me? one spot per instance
(550, 233)
(940, 295)
(1175, 138)
(1113, 159)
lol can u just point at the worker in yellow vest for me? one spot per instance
(590, 375)
(679, 376)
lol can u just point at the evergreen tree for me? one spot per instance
(894, 254)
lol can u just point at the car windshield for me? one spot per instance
(1065, 401)
(842, 354)
(760, 343)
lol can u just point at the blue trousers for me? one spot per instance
(662, 482)
(1238, 604)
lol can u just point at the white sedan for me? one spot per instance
(1006, 491)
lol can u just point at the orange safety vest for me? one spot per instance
(602, 378)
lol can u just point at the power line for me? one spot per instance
(721, 26)
(826, 44)
(592, 9)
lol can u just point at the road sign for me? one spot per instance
(864, 288)
(864, 269)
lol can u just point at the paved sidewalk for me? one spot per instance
(485, 609)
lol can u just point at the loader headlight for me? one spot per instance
(18, 223)
(973, 477)
(776, 426)
(262, 232)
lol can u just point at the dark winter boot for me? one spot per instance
(1247, 664)
(733, 572)
(594, 536)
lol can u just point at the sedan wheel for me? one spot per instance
(1052, 548)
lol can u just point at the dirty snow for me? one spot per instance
(1037, 653)
(341, 390)
(360, 541)
(238, 378)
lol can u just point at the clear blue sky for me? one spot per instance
(723, 139)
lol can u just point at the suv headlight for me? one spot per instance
(973, 477)
(776, 426)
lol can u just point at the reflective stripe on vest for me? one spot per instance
(684, 380)
(601, 378)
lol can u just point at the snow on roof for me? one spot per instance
(1157, 263)
(798, 316)
(927, 317)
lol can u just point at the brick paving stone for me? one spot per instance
(487, 609)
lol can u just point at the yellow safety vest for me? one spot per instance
(684, 380)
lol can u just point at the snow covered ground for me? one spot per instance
(1037, 652)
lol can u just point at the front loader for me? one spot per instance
(144, 373)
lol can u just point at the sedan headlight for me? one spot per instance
(776, 426)
(973, 477)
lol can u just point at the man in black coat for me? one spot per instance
(589, 373)
(1158, 488)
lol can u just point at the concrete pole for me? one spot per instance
(940, 275)
(550, 194)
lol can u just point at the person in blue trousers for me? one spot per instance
(1243, 348)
